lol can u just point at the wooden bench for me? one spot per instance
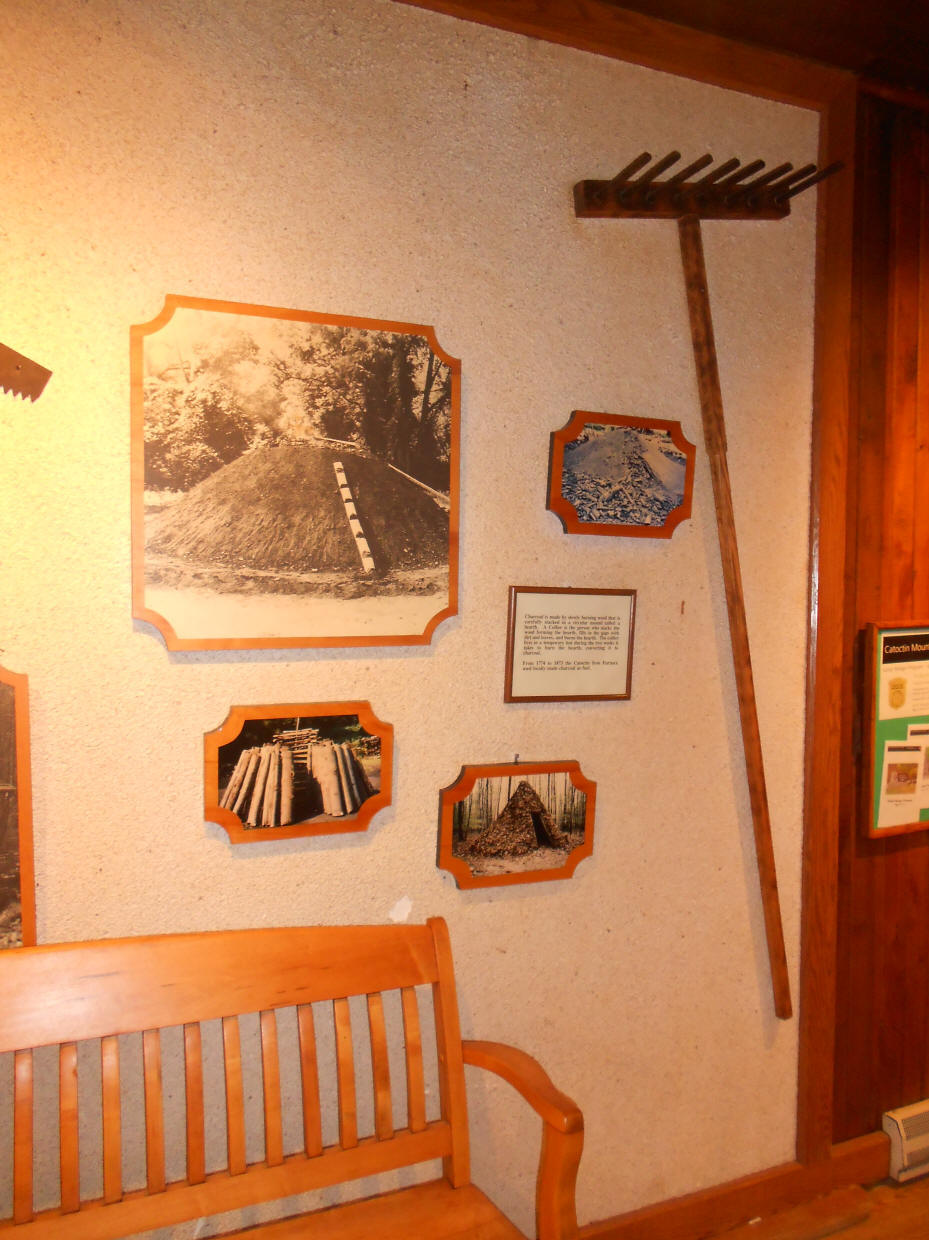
(127, 1026)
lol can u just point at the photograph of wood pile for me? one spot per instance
(521, 827)
(514, 823)
(272, 776)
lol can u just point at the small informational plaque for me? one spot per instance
(897, 685)
(569, 645)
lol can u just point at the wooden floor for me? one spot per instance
(888, 1211)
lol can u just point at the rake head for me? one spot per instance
(728, 191)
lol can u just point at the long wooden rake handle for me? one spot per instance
(714, 433)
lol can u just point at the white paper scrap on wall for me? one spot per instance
(401, 910)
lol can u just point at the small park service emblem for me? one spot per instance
(896, 692)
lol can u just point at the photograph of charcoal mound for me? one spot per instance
(523, 822)
(295, 775)
(295, 478)
(621, 476)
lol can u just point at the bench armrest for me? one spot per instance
(562, 1133)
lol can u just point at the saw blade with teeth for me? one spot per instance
(20, 375)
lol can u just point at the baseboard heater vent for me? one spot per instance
(908, 1129)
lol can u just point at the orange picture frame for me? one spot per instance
(17, 868)
(295, 478)
(624, 476)
(519, 822)
(297, 769)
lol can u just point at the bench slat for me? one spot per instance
(235, 1097)
(112, 1128)
(345, 1073)
(380, 1069)
(271, 1089)
(309, 1078)
(451, 1062)
(140, 1211)
(154, 1113)
(193, 1096)
(413, 1046)
(68, 1154)
(124, 985)
(132, 978)
(22, 1136)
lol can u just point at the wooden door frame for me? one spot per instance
(601, 28)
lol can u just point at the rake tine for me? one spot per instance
(671, 158)
(639, 162)
(696, 166)
(812, 180)
(740, 174)
(785, 182)
(716, 173)
(771, 175)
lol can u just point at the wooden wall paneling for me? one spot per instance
(883, 934)
(595, 26)
(715, 1210)
(897, 598)
(897, 869)
(856, 914)
(904, 1078)
(921, 565)
(826, 663)
(921, 526)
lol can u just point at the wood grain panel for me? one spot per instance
(69, 1169)
(186, 980)
(380, 1069)
(415, 1078)
(826, 660)
(193, 1092)
(22, 1136)
(235, 1096)
(271, 1090)
(309, 1078)
(154, 1111)
(596, 26)
(112, 1120)
(855, 950)
(882, 1004)
(345, 1072)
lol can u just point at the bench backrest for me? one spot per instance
(351, 989)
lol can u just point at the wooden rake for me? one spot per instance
(729, 191)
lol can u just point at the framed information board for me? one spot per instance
(569, 645)
(896, 771)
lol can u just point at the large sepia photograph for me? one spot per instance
(295, 478)
(515, 823)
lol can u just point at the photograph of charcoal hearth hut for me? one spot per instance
(281, 772)
(516, 824)
(620, 477)
(298, 478)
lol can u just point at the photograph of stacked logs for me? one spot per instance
(301, 774)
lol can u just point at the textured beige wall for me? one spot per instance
(367, 158)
